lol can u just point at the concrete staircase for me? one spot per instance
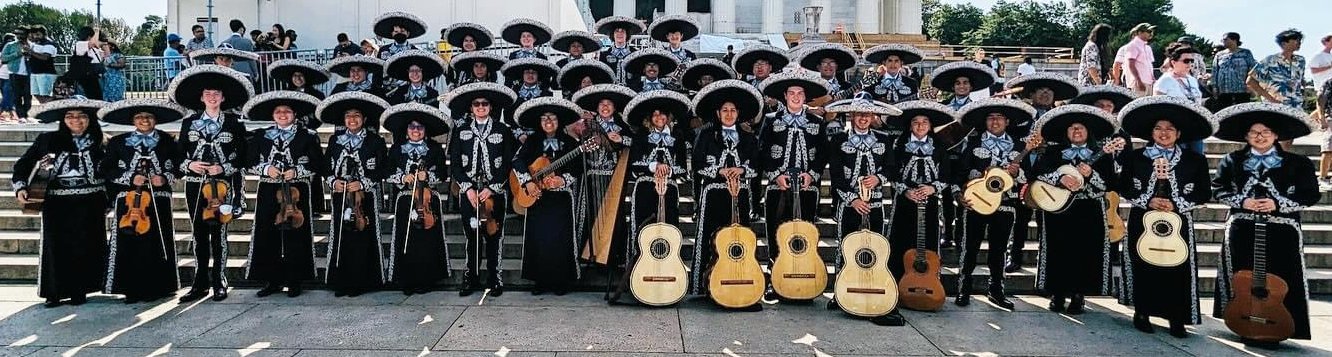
(19, 233)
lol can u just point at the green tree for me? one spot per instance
(949, 23)
(1123, 15)
(1026, 23)
(149, 38)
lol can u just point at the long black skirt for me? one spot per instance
(1285, 258)
(73, 253)
(276, 255)
(1166, 292)
(355, 258)
(420, 256)
(1075, 251)
(143, 265)
(550, 255)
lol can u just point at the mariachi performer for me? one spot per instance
(830, 60)
(531, 75)
(481, 151)
(362, 74)
(705, 71)
(612, 134)
(958, 78)
(1075, 243)
(301, 76)
(415, 69)
(620, 29)
(142, 163)
(582, 73)
(420, 258)
(73, 253)
(475, 67)
(755, 64)
(895, 83)
(724, 153)
(549, 240)
(466, 37)
(793, 155)
(528, 34)
(285, 157)
(648, 68)
(400, 27)
(213, 143)
(1264, 183)
(921, 173)
(993, 148)
(1110, 98)
(225, 57)
(576, 43)
(356, 160)
(1162, 177)
(673, 30)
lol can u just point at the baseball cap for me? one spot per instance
(1143, 27)
(173, 37)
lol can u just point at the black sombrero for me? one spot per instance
(863, 104)
(282, 70)
(54, 111)
(260, 108)
(123, 112)
(705, 67)
(608, 25)
(1064, 87)
(333, 108)
(746, 99)
(397, 66)
(188, 86)
(463, 62)
(456, 33)
(396, 119)
(498, 95)
(342, 65)
(973, 114)
(938, 114)
(1089, 95)
(908, 53)
(564, 39)
(745, 59)
(980, 75)
(588, 98)
(810, 57)
(529, 113)
(1053, 125)
(673, 103)
(1193, 121)
(210, 55)
(666, 62)
(513, 69)
(573, 72)
(683, 24)
(775, 86)
(385, 22)
(513, 30)
(1288, 123)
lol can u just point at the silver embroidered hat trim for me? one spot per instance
(666, 62)
(973, 114)
(672, 102)
(529, 113)
(463, 61)
(211, 54)
(431, 65)
(342, 65)
(588, 98)
(332, 109)
(459, 31)
(123, 112)
(460, 100)
(664, 25)
(743, 63)
(860, 105)
(1121, 96)
(513, 69)
(607, 25)
(512, 31)
(706, 66)
(54, 110)
(980, 75)
(1140, 115)
(283, 69)
(1053, 125)
(260, 108)
(188, 86)
(383, 24)
(1233, 123)
(810, 57)
(1064, 87)
(939, 114)
(775, 86)
(740, 93)
(575, 70)
(396, 118)
(561, 41)
(908, 53)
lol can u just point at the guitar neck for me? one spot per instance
(920, 227)
(555, 165)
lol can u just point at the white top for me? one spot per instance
(4, 72)
(1171, 85)
(81, 49)
(49, 49)
(1025, 69)
(1322, 59)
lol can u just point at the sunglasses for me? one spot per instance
(1187, 61)
(415, 127)
(480, 104)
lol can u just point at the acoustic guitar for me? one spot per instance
(921, 288)
(1056, 198)
(736, 280)
(541, 167)
(659, 277)
(864, 286)
(986, 193)
(1160, 243)
(38, 180)
(1257, 311)
(798, 272)
(1114, 223)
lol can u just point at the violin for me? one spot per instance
(289, 215)
(136, 217)
(216, 212)
(422, 195)
(484, 213)
(358, 218)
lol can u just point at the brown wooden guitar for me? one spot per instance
(736, 280)
(1257, 311)
(921, 288)
(540, 168)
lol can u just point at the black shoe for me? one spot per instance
(832, 304)
(1077, 305)
(893, 318)
(560, 291)
(194, 294)
(496, 290)
(1057, 304)
(339, 293)
(294, 290)
(268, 290)
(78, 300)
(1177, 330)
(50, 303)
(130, 299)
(355, 292)
(1142, 323)
(407, 291)
(466, 290)
(1012, 267)
(772, 295)
(962, 299)
(219, 294)
(422, 290)
(998, 299)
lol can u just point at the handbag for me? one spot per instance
(81, 67)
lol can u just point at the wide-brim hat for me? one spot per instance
(342, 65)
(457, 32)
(210, 55)
(397, 66)
(498, 95)
(1064, 87)
(282, 70)
(573, 72)
(398, 117)
(908, 53)
(513, 30)
(666, 62)
(1053, 125)
(385, 22)
(561, 41)
(1089, 95)
(463, 62)
(513, 69)
(54, 111)
(746, 99)
(810, 57)
(973, 114)
(673, 103)
(684, 24)
(705, 67)
(529, 113)
(1193, 121)
(333, 109)
(260, 108)
(980, 75)
(123, 112)
(775, 86)
(745, 59)
(1288, 123)
(588, 98)
(862, 105)
(938, 114)
(188, 86)
(608, 25)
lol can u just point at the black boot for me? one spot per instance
(1142, 323)
(964, 293)
(78, 300)
(194, 294)
(1077, 305)
(294, 289)
(893, 318)
(50, 303)
(1012, 267)
(1177, 329)
(832, 304)
(219, 293)
(997, 297)
(269, 290)
(1057, 303)
(496, 290)
(469, 286)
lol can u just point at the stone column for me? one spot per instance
(773, 16)
(625, 8)
(867, 16)
(723, 16)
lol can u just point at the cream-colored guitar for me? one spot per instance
(1161, 243)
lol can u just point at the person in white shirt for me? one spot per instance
(1321, 67)
(1180, 82)
(1026, 68)
(89, 46)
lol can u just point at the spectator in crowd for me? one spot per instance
(1279, 78)
(1180, 82)
(1325, 99)
(1198, 69)
(1138, 58)
(172, 59)
(7, 115)
(260, 40)
(1089, 68)
(114, 81)
(1026, 68)
(86, 72)
(730, 54)
(19, 78)
(198, 42)
(238, 41)
(291, 37)
(277, 38)
(40, 58)
(1321, 67)
(65, 88)
(1230, 67)
(368, 47)
(345, 47)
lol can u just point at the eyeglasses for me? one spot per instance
(1187, 61)
(415, 126)
(479, 104)
(1262, 133)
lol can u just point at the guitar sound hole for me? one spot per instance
(660, 249)
(865, 258)
(1161, 229)
(798, 245)
(735, 251)
(994, 184)
(920, 266)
